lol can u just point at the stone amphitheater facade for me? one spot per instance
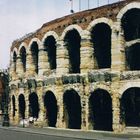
(80, 71)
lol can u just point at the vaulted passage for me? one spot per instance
(131, 24)
(72, 107)
(72, 41)
(33, 105)
(50, 48)
(34, 52)
(50, 104)
(101, 38)
(23, 57)
(101, 110)
(21, 100)
(130, 107)
(14, 60)
(14, 106)
(133, 57)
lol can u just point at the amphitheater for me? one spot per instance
(81, 71)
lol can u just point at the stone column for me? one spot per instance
(26, 103)
(86, 52)
(30, 67)
(60, 116)
(62, 58)
(41, 117)
(117, 126)
(19, 67)
(17, 110)
(12, 70)
(43, 61)
(118, 49)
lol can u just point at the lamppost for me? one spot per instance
(4, 76)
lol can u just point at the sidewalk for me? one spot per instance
(85, 135)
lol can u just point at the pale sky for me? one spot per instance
(20, 17)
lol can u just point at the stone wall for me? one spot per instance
(112, 80)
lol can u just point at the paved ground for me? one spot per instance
(18, 133)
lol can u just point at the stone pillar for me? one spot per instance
(26, 103)
(117, 127)
(62, 58)
(86, 51)
(30, 67)
(43, 62)
(60, 116)
(17, 110)
(118, 49)
(19, 67)
(12, 70)
(41, 117)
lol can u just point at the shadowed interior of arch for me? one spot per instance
(50, 48)
(50, 104)
(130, 107)
(72, 109)
(101, 38)
(14, 106)
(33, 105)
(21, 100)
(133, 57)
(72, 41)
(100, 104)
(23, 57)
(35, 51)
(131, 24)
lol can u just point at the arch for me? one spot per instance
(72, 41)
(50, 33)
(33, 40)
(23, 44)
(104, 20)
(100, 110)
(14, 51)
(14, 106)
(50, 49)
(126, 8)
(130, 102)
(23, 57)
(50, 104)
(33, 105)
(72, 27)
(72, 108)
(22, 106)
(34, 49)
(131, 24)
(101, 40)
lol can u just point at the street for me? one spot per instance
(18, 133)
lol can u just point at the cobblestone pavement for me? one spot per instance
(18, 133)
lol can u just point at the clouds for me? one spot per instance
(19, 17)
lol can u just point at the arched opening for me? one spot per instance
(131, 24)
(130, 107)
(21, 101)
(34, 52)
(72, 41)
(14, 106)
(14, 60)
(132, 57)
(50, 48)
(50, 104)
(101, 110)
(72, 108)
(33, 105)
(101, 38)
(23, 57)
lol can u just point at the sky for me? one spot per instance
(20, 17)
